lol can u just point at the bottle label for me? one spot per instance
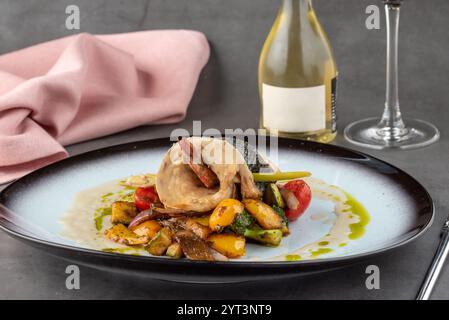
(334, 104)
(294, 109)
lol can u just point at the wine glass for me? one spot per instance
(391, 131)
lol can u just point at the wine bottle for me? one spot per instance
(298, 76)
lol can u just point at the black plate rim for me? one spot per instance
(218, 264)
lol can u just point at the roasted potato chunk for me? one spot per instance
(229, 245)
(123, 212)
(174, 251)
(121, 234)
(224, 214)
(160, 243)
(265, 216)
(147, 228)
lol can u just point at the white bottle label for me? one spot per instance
(294, 109)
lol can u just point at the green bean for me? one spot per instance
(277, 176)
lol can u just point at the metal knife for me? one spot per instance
(437, 264)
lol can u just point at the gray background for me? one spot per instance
(226, 97)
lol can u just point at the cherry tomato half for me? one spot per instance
(145, 197)
(301, 191)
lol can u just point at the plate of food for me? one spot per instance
(216, 210)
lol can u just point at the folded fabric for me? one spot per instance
(86, 86)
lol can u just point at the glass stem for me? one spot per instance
(391, 126)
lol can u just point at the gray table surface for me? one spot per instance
(226, 97)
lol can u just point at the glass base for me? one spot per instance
(368, 133)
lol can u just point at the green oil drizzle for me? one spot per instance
(106, 196)
(127, 188)
(292, 257)
(323, 243)
(356, 208)
(117, 250)
(342, 244)
(100, 214)
(127, 197)
(320, 251)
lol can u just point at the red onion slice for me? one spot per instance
(141, 217)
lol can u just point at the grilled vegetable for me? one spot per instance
(145, 197)
(252, 157)
(265, 216)
(160, 243)
(163, 213)
(242, 222)
(230, 245)
(297, 196)
(197, 228)
(281, 213)
(123, 212)
(267, 237)
(273, 197)
(224, 214)
(193, 247)
(244, 225)
(166, 213)
(148, 228)
(279, 176)
(204, 220)
(140, 218)
(262, 186)
(121, 234)
(174, 251)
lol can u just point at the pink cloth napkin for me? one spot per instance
(85, 86)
